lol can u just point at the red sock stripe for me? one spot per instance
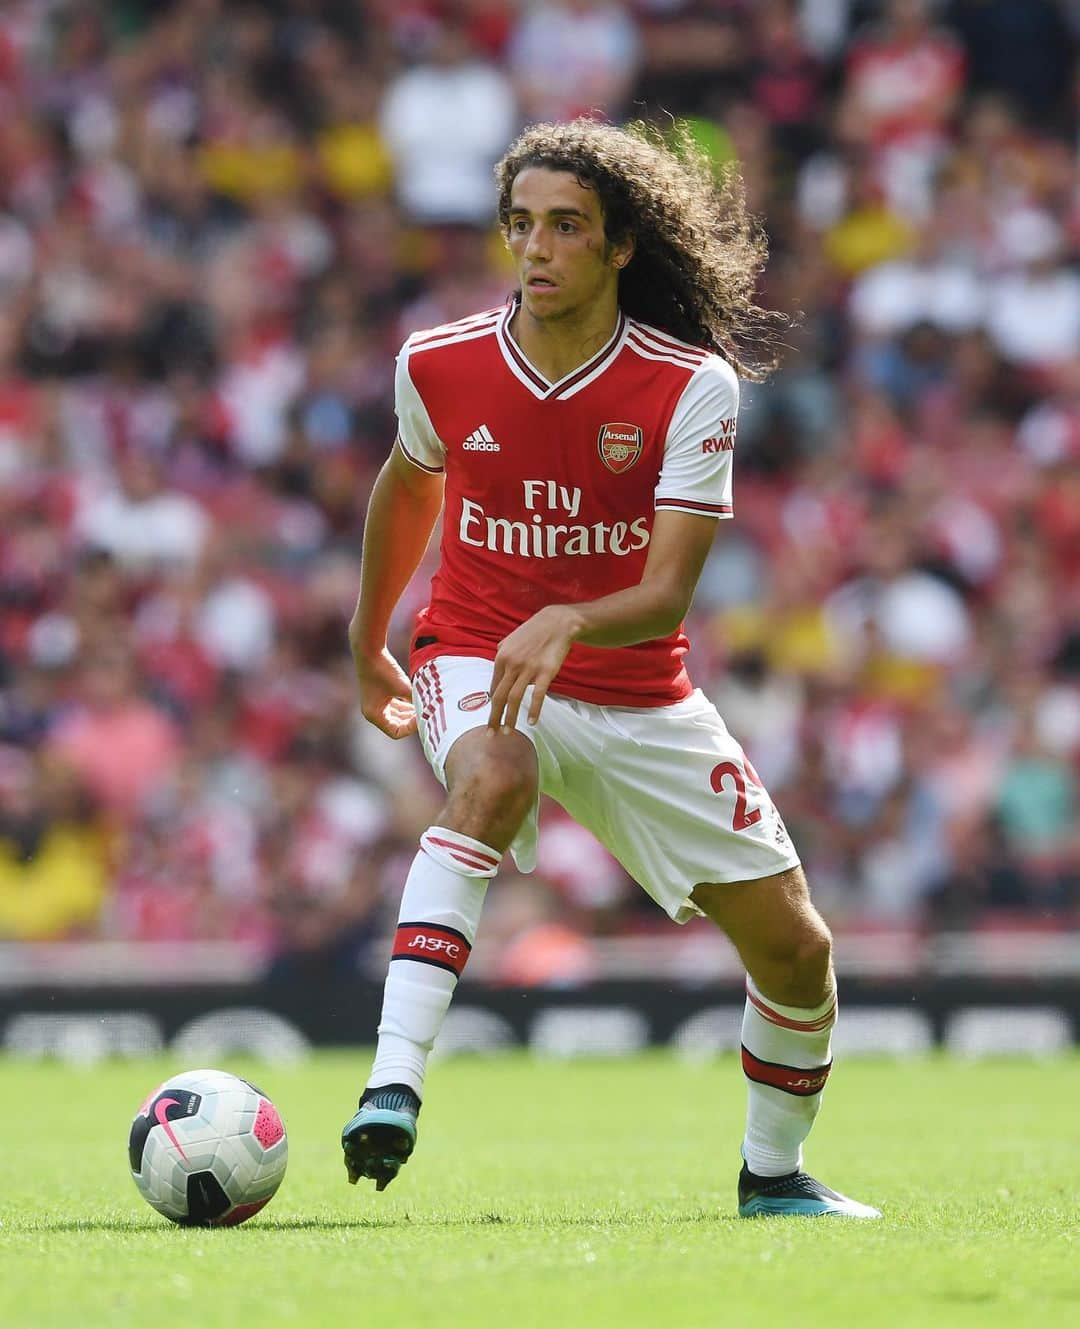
(475, 858)
(791, 1079)
(814, 1026)
(465, 859)
(429, 943)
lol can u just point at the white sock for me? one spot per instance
(786, 1059)
(440, 912)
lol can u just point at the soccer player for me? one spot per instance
(579, 443)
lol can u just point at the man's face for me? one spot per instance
(556, 238)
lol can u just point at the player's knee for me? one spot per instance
(814, 958)
(508, 779)
(809, 966)
(796, 971)
(493, 785)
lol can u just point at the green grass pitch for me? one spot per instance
(562, 1195)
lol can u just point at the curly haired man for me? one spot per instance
(579, 443)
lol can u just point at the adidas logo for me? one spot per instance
(480, 440)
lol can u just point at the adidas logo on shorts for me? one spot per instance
(480, 440)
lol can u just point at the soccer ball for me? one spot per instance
(207, 1149)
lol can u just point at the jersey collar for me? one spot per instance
(566, 386)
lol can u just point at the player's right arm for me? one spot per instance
(402, 512)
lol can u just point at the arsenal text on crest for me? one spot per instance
(620, 446)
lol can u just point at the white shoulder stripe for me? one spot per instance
(458, 325)
(655, 344)
(451, 329)
(483, 330)
(673, 343)
(662, 357)
(663, 348)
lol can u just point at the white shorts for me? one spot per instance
(666, 789)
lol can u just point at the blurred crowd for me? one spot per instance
(219, 220)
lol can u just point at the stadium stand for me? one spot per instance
(218, 222)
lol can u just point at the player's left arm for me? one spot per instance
(533, 654)
(693, 491)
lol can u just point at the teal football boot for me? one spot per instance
(793, 1196)
(382, 1135)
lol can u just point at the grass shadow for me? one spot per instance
(150, 1226)
(313, 1223)
(627, 1219)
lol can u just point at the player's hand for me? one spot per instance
(530, 656)
(385, 694)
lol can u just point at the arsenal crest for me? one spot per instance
(620, 446)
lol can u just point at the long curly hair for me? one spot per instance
(697, 251)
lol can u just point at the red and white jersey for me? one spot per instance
(551, 488)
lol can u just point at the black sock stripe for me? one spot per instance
(781, 1066)
(801, 1081)
(427, 959)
